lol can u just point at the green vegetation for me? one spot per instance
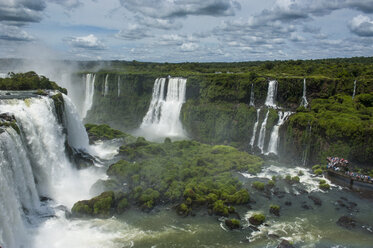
(323, 185)
(257, 219)
(292, 180)
(258, 185)
(102, 206)
(233, 223)
(187, 173)
(275, 209)
(28, 81)
(341, 126)
(105, 132)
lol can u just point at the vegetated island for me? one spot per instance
(187, 175)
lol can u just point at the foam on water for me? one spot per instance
(306, 178)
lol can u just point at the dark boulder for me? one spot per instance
(346, 222)
(317, 201)
(232, 223)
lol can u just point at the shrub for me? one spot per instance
(258, 185)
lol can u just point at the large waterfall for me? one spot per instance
(162, 118)
(271, 94)
(89, 93)
(274, 140)
(353, 94)
(35, 164)
(262, 132)
(252, 141)
(304, 101)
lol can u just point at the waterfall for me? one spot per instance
(353, 94)
(77, 136)
(106, 85)
(18, 191)
(162, 118)
(304, 101)
(262, 132)
(271, 94)
(118, 86)
(89, 93)
(34, 163)
(252, 141)
(273, 142)
(252, 96)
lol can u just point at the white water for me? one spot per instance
(306, 178)
(18, 190)
(273, 142)
(118, 86)
(77, 136)
(162, 118)
(353, 94)
(88, 94)
(106, 85)
(252, 141)
(271, 94)
(304, 101)
(262, 133)
(252, 96)
(36, 164)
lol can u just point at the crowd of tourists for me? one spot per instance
(340, 164)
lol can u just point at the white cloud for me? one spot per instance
(361, 25)
(189, 47)
(181, 8)
(90, 42)
(13, 33)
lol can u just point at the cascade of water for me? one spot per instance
(252, 141)
(77, 136)
(18, 194)
(34, 163)
(118, 86)
(152, 116)
(304, 101)
(89, 93)
(106, 85)
(353, 94)
(162, 118)
(273, 142)
(271, 94)
(262, 132)
(252, 95)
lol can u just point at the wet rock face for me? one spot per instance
(346, 222)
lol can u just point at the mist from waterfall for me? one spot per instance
(163, 116)
(274, 140)
(252, 141)
(88, 94)
(271, 94)
(304, 101)
(262, 132)
(252, 96)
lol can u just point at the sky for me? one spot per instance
(186, 30)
